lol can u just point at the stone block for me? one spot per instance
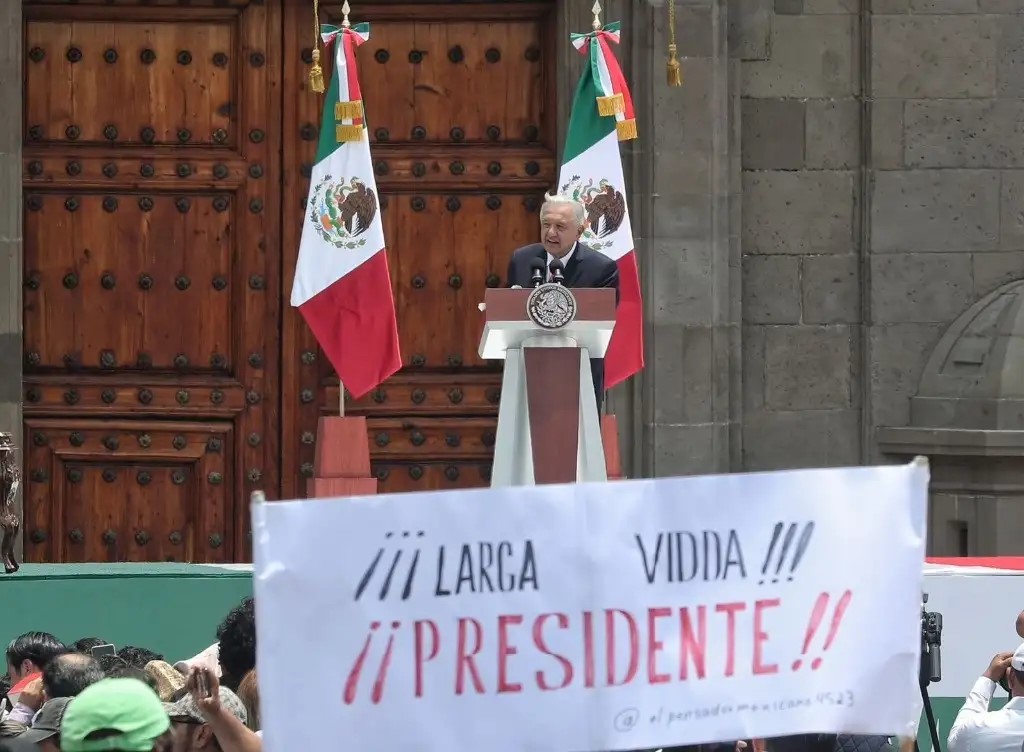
(791, 440)
(1001, 6)
(10, 374)
(964, 133)
(789, 7)
(11, 206)
(920, 287)
(682, 366)
(904, 62)
(944, 6)
(694, 30)
(831, 289)
(773, 134)
(887, 140)
(889, 7)
(830, 7)
(808, 367)
(935, 210)
(690, 450)
(1010, 56)
(1011, 211)
(681, 216)
(771, 290)
(898, 353)
(753, 367)
(797, 212)
(10, 288)
(750, 26)
(811, 56)
(681, 277)
(993, 270)
(833, 133)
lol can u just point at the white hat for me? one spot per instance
(1017, 661)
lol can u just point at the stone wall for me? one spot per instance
(882, 196)
(10, 219)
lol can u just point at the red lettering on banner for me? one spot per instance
(693, 646)
(761, 637)
(539, 642)
(466, 661)
(654, 645)
(504, 651)
(561, 651)
(634, 646)
(419, 629)
(730, 610)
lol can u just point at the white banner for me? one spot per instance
(619, 616)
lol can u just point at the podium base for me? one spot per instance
(342, 463)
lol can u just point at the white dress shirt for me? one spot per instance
(564, 260)
(978, 729)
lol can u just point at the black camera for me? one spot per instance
(931, 644)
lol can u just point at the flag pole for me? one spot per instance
(596, 10)
(345, 24)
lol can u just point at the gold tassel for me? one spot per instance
(674, 70)
(348, 110)
(348, 133)
(613, 105)
(316, 73)
(626, 130)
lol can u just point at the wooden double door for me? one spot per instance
(168, 145)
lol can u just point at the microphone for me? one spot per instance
(555, 267)
(537, 273)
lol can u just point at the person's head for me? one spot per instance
(116, 715)
(561, 223)
(236, 639)
(1020, 624)
(86, 644)
(30, 653)
(249, 694)
(138, 657)
(126, 671)
(190, 730)
(111, 663)
(45, 731)
(1015, 674)
(68, 674)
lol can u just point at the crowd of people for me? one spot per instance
(92, 696)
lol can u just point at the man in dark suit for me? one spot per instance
(561, 225)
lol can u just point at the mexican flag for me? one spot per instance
(342, 285)
(602, 115)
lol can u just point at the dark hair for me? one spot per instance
(67, 675)
(5, 685)
(236, 638)
(110, 662)
(127, 671)
(138, 657)
(86, 644)
(162, 743)
(38, 647)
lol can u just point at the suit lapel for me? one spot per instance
(572, 269)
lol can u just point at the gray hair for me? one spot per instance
(558, 199)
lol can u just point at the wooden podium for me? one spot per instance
(548, 427)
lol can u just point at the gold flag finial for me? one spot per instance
(316, 73)
(345, 10)
(596, 10)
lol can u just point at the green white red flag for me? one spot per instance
(342, 284)
(602, 115)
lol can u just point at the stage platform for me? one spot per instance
(173, 609)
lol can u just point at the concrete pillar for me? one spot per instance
(10, 222)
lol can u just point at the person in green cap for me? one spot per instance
(116, 715)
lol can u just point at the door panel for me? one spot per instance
(151, 276)
(460, 106)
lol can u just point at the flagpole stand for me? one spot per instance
(342, 463)
(610, 440)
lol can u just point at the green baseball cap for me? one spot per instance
(127, 711)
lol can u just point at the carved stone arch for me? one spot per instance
(967, 417)
(974, 378)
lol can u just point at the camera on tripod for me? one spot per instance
(931, 644)
(931, 666)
